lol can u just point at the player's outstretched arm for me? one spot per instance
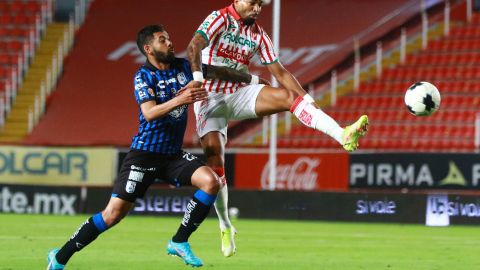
(185, 96)
(226, 74)
(232, 75)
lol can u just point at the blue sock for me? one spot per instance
(99, 222)
(204, 197)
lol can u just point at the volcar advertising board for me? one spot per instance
(57, 166)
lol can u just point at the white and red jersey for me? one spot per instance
(233, 44)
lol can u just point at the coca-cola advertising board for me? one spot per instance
(305, 172)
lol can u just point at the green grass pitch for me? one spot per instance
(140, 242)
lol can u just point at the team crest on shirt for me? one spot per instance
(182, 79)
(130, 187)
(177, 113)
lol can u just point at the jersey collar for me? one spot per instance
(231, 10)
(150, 66)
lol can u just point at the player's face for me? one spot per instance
(248, 9)
(161, 47)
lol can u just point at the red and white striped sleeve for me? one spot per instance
(214, 24)
(266, 52)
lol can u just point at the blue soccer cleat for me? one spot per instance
(52, 261)
(183, 251)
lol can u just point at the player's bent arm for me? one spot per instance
(285, 78)
(194, 51)
(151, 110)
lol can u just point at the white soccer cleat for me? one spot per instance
(228, 241)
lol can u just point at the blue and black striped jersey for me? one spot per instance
(164, 135)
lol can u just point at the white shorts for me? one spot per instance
(214, 113)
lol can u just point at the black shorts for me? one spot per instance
(140, 169)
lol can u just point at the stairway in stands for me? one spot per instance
(38, 83)
(451, 63)
(40, 47)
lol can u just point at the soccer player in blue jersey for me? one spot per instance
(162, 91)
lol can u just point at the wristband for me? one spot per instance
(255, 79)
(308, 98)
(198, 76)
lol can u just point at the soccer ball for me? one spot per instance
(422, 99)
(233, 212)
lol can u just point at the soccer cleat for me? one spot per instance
(351, 134)
(183, 251)
(228, 241)
(52, 261)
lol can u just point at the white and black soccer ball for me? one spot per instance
(422, 99)
(233, 212)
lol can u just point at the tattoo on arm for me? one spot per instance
(194, 52)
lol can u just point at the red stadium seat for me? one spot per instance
(17, 7)
(33, 7)
(6, 19)
(4, 7)
(5, 72)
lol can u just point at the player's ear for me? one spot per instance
(147, 49)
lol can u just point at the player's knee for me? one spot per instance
(288, 97)
(212, 184)
(112, 216)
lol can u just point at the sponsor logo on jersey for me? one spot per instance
(142, 95)
(130, 187)
(139, 85)
(162, 84)
(209, 20)
(238, 39)
(236, 56)
(151, 92)
(142, 169)
(136, 176)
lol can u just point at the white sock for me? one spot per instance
(221, 207)
(316, 118)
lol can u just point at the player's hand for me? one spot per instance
(264, 81)
(194, 84)
(189, 95)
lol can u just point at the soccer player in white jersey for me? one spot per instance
(230, 37)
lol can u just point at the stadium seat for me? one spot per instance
(4, 7)
(9, 59)
(33, 7)
(5, 72)
(17, 7)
